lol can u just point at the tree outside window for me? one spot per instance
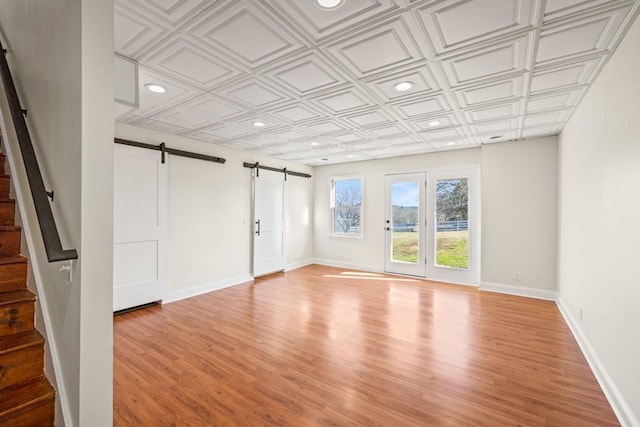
(346, 206)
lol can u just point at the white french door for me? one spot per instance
(405, 217)
(268, 217)
(140, 227)
(453, 219)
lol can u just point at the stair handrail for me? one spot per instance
(39, 194)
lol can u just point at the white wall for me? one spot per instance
(518, 197)
(520, 215)
(600, 225)
(210, 213)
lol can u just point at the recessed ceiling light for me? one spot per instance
(258, 124)
(434, 123)
(329, 4)
(450, 143)
(155, 88)
(350, 156)
(403, 86)
(315, 143)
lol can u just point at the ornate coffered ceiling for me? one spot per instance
(322, 81)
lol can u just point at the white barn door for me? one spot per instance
(268, 217)
(140, 227)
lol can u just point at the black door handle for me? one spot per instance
(258, 230)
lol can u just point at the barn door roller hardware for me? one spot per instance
(257, 166)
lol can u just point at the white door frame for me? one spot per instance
(400, 267)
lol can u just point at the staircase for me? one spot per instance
(26, 396)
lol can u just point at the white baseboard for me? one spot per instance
(519, 291)
(207, 287)
(618, 403)
(351, 266)
(298, 264)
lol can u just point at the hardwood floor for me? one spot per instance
(331, 347)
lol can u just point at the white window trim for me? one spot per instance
(332, 181)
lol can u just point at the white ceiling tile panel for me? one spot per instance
(424, 84)
(255, 93)
(497, 137)
(307, 74)
(547, 118)
(436, 105)
(368, 118)
(161, 126)
(348, 138)
(494, 112)
(532, 132)
(489, 62)
(390, 131)
(434, 123)
(171, 13)
(504, 90)
(402, 139)
(290, 134)
(455, 144)
(132, 32)
(230, 131)
(393, 43)
(151, 102)
(296, 113)
(188, 61)
(498, 127)
(566, 76)
(443, 134)
(325, 127)
(246, 32)
(592, 35)
(553, 101)
(319, 24)
(121, 110)
(558, 9)
(455, 24)
(344, 101)
(323, 81)
(205, 110)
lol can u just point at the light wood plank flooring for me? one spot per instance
(322, 346)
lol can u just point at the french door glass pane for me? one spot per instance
(452, 223)
(405, 202)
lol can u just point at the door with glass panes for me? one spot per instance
(432, 225)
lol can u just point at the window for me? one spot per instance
(346, 206)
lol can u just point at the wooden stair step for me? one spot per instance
(5, 181)
(2, 160)
(30, 403)
(7, 211)
(13, 273)
(10, 240)
(21, 357)
(17, 310)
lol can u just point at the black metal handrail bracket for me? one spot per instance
(48, 228)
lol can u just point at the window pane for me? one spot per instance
(452, 223)
(347, 206)
(405, 200)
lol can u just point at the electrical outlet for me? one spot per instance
(516, 275)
